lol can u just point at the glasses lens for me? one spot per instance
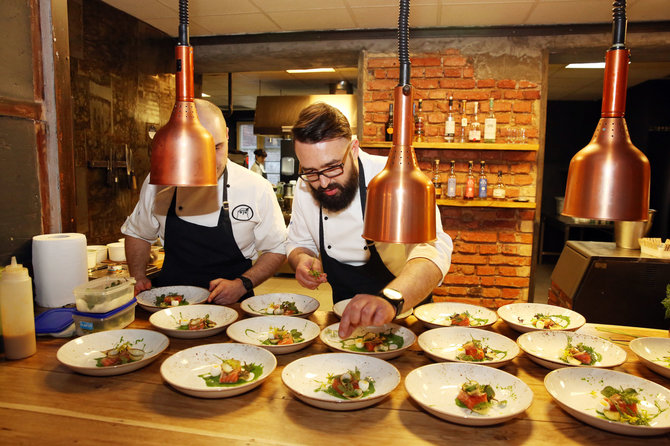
(332, 172)
(311, 176)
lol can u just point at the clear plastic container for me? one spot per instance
(86, 323)
(104, 294)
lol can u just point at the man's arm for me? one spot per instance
(224, 292)
(138, 253)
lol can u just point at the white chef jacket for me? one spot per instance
(342, 230)
(256, 219)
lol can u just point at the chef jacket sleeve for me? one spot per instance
(142, 223)
(270, 233)
(299, 234)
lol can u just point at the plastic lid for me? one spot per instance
(15, 271)
(54, 320)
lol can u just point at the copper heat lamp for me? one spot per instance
(400, 207)
(182, 152)
(609, 178)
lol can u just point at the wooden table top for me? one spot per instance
(43, 402)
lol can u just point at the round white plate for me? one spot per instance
(181, 370)
(255, 330)
(339, 307)
(192, 294)
(518, 316)
(446, 343)
(330, 337)
(546, 347)
(305, 375)
(437, 314)
(651, 352)
(258, 305)
(80, 354)
(436, 386)
(577, 391)
(169, 319)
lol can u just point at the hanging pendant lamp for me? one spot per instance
(182, 152)
(400, 206)
(609, 178)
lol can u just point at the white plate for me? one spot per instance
(436, 386)
(192, 294)
(304, 376)
(255, 330)
(168, 320)
(339, 307)
(181, 370)
(80, 354)
(577, 391)
(518, 316)
(446, 343)
(330, 337)
(651, 352)
(435, 314)
(257, 305)
(546, 347)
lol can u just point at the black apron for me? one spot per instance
(195, 254)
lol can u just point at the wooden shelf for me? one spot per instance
(458, 146)
(459, 202)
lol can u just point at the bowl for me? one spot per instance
(263, 304)
(101, 252)
(256, 331)
(193, 371)
(307, 379)
(117, 251)
(192, 295)
(81, 354)
(653, 353)
(398, 339)
(519, 316)
(339, 307)
(446, 344)
(435, 388)
(174, 321)
(438, 314)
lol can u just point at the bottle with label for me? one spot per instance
(419, 131)
(475, 132)
(436, 178)
(499, 190)
(464, 122)
(451, 181)
(450, 124)
(16, 310)
(490, 124)
(388, 127)
(470, 187)
(483, 182)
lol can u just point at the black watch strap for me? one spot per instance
(395, 303)
(248, 284)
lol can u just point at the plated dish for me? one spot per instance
(218, 370)
(339, 307)
(384, 342)
(613, 401)
(654, 353)
(469, 394)
(193, 321)
(278, 334)
(340, 381)
(525, 317)
(280, 304)
(112, 352)
(462, 344)
(452, 314)
(157, 299)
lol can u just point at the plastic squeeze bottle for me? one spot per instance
(16, 310)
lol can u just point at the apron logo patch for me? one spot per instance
(243, 212)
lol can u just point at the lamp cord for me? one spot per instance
(403, 39)
(619, 24)
(183, 23)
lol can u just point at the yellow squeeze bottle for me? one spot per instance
(16, 311)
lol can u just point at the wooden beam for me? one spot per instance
(20, 109)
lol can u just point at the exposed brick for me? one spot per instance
(488, 249)
(521, 168)
(523, 180)
(392, 74)
(525, 238)
(505, 213)
(531, 94)
(486, 83)
(521, 156)
(506, 83)
(518, 282)
(467, 269)
(527, 84)
(451, 51)
(468, 72)
(434, 72)
(526, 215)
(379, 118)
(486, 270)
(500, 106)
(509, 249)
(487, 280)
(471, 260)
(471, 95)
(491, 292)
(457, 291)
(381, 96)
(466, 248)
(383, 62)
(526, 226)
(509, 271)
(457, 83)
(454, 279)
(522, 107)
(436, 118)
(379, 73)
(507, 237)
(425, 61)
(454, 61)
(510, 293)
(453, 72)
(523, 119)
(512, 94)
(508, 260)
(381, 84)
(377, 107)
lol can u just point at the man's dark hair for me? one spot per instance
(260, 152)
(321, 122)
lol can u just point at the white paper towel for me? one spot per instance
(59, 264)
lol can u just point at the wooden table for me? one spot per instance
(43, 402)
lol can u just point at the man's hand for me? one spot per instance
(142, 284)
(365, 310)
(309, 272)
(225, 292)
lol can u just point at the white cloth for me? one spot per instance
(342, 230)
(256, 219)
(258, 168)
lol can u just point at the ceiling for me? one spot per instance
(240, 17)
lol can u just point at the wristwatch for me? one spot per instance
(394, 297)
(248, 284)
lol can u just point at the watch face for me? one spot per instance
(392, 294)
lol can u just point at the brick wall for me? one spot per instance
(491, 262)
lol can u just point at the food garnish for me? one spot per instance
(464, 319)
(198, 323)
(550, 321)
(621, 405)
(286, 308)
(474, 351)
(348, 385)
(580, 354)
(233, 373)
(170, 300)
(373, 342)
(476, 397)
(121, 353)
(664, 361)
(314, 273)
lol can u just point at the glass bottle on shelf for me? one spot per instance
(418, 127)
(475, 131)
(511, 131)
(436, 178)
(470, 187)
(490, 124)
(499, 190)
(483, 182)
(388, 127)
(451, 181)
(464, 122)
(450, 124)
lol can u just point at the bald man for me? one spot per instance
(211, 235)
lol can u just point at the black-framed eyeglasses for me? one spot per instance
(328, 172)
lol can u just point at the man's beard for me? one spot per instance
(341, 200)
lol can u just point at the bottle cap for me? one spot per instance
(15, 271)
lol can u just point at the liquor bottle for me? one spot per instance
(475, 132)
(451, 181)
(450, 124)
(490, 124)
(418, 127)
(483, 182)
(499, 190)
(436, 178)
(469, 184)
(388, 128)
(464, 122)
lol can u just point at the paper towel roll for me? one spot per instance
(59, 264)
